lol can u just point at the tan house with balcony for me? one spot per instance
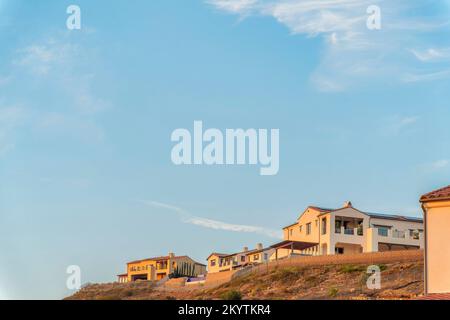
(157, 268)
(436, 208)
(348, 230)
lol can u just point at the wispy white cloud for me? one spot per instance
(396, 124)
(41, 59)
(157, 204)
(440, 164)
(430, 76)
(186, 217)
(58, 63)
(432, 54)
(352, 51)
(220, 225)
(435, 166)
(234, 6)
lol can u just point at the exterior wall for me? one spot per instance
(217, 265)
(141, 268)
(310, 216)
(437, 277)
(398, 225)
(374, 240)
(351, 241)
(153, 270)
(260, 257)
(298, 232)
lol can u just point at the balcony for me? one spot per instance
(350, 231)
(391, 236)
(348, 226)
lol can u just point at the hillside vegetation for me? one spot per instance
(348, 281)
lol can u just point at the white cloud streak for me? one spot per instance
(440, 164)
(186, 217)
(432, 54)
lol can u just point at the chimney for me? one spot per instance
(259, 246)
(348, 204)
(171, 255)
(245, 249)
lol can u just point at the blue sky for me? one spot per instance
(86, 117)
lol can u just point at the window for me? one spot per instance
(308, 228)
(415, 234)
(301, 229)
(324, 225)
(266, 256)
(383, 231)
(337, 226)
(242, 258)
(339, 250)
(256, 257)
(213, 263)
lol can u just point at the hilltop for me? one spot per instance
(399, 280)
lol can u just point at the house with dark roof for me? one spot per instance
(348, 230)
(436, 210)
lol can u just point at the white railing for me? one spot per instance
(398, 234)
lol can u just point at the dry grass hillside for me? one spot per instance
(400, 280)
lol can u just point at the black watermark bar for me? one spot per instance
(202, 309)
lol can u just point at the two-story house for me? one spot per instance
(157, 268)
(348, 230)
(218, 262)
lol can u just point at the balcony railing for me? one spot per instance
(398, 234)
(349, 231)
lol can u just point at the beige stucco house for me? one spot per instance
(218, 262)
(348, 230)
(436, 208)
(158, 268)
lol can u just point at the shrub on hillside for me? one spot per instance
(231, 295)
(333, 292)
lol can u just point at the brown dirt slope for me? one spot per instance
(400, 280)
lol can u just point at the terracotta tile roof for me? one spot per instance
(435, 296)
(440, 194)
(156, 258)
(218, 254)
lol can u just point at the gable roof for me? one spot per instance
(320, 209)
(157, 259)
(218, 255)
(436, 195)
